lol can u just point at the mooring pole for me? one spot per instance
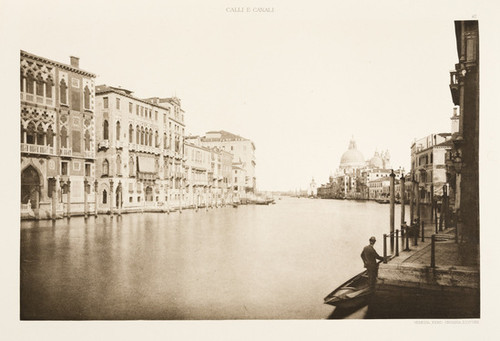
(392, 203)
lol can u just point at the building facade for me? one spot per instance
(428, 166)
(243, 151)
(57, 138)
(140, 152)
(463, 158)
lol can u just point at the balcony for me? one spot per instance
(104, 144)
(89, 154)
(119, 144)
(37, 149)
(37, 99)
(66, 151)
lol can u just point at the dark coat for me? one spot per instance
(370, 256)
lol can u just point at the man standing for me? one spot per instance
(369, 257)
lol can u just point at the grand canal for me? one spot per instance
(250, 262)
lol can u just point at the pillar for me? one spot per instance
(412, 199)
(85, 200)
(68, 207)
(54, 200)
(95, 197)
(111, 197)
(417, 192)
(402, 185)
(119, 192)
(392, 204)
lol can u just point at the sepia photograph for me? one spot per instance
(249, 161)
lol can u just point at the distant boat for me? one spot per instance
(352, 294)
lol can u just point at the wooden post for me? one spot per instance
(433, 251)
(111, 196)
(385, 248)
(417, 192)
(85, 200)
(397, 242)
(402, 185)
(95, 196)
(412, 199)
(392, 203)
(54, 200)
(119, 193)
(68, 199)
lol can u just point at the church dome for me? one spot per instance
(352, 158)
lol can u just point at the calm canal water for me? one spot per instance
(251, 262)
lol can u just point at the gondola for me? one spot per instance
(351, 294)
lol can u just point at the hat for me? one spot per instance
(373, 239)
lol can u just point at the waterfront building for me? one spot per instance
(352, 177)
(139, 154)
(239, 182)
(197, 167)
(57, 137)
(428, 165)
(243, 151)
(463, 158)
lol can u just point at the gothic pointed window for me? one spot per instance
(157, 143)
(131, 169)
(105, 132)
(118, 165)
(40, 136)
(142, 136)
(50, 136)
(30, 133)
(105, 167)
(39, 86)
(104, 197)
(164, 140)
(30, 83)
(118, 131)
(87, 140)
(86, 97)
(63, 89)
(64, 137)
(48, 87)
(130, 133)
(137, 135)
(150, 137)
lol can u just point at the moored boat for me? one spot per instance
(351, 294)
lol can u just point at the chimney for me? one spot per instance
(455, 122)
(75, 61)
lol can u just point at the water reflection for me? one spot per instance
(254, 262)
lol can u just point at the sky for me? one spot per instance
(299, 81)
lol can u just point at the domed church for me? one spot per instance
(352, 158)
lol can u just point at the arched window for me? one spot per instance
(105, 167)
(150, 137)
(142, 136)
(30, 83)
(131, 168)
(104, 197)
(118, 131)
(105, 132)
(86, 97)
(64, 138)
(39, 86)
(164, 140)
(50, 136)
(63, 89)
(48, 87)
(22, 134)
(39, 136)
(157, 143)
(30, 133)
(118, 165)
(87, 140)
(130, 134)
(137, 135)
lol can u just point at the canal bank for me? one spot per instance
(435, 278)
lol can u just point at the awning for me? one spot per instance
(146, 164)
